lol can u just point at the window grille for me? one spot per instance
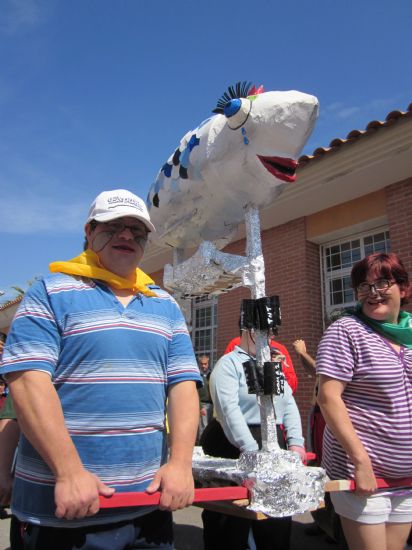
(204, 327)
(338, 258)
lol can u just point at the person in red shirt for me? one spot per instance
(276, 349)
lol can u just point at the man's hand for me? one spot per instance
(300, 346)
(203, 411)
(176, 485)
(175, 479)
(77, 496)
(9, 437)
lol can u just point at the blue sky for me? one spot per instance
(96, 94)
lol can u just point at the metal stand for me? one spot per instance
(279, 484)
(256, 282)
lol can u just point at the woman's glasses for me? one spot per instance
(379, 285)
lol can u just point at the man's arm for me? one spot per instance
(174, 479)
(307, 361)
(41, 419)
(9, 438)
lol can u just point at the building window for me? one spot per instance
(204, 327)
(338, 258)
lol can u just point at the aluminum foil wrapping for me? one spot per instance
(279, 484)
(252, 226)
(254, 275)
(213, 471)
(268, 423)
(208, 271)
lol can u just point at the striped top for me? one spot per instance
(111, 366)
(378, 397)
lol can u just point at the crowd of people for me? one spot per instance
(98, 356)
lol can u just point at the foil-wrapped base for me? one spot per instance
(208, 271)
(279, 484)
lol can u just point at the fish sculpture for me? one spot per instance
(245, 154)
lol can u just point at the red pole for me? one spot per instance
(121, 500)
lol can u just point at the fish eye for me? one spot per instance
(237, 112)
(232, 107)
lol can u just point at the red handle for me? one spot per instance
(121, 500)
(385, 483)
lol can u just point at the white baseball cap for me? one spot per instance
(119, 203)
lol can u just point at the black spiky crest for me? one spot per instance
(240, 89)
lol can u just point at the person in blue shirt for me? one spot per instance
(94, 353)
(236, 428)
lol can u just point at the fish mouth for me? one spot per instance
(281, 167)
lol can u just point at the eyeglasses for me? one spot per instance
(137, 231)
(379, 285)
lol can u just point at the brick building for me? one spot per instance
(350, 199)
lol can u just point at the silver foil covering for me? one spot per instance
(252, 226)
(208, 271)
(279, 484)
(268, 423)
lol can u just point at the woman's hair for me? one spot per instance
(382, 266)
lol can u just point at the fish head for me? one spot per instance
(274, 127)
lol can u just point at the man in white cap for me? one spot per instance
(93, 353)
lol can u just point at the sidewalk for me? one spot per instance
(188, 532)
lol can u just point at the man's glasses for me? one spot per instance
(137, 231)
(379, 285)
(111, 229)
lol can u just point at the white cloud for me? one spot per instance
(20, 15)
(338, 110)
(347, 112)
(333, 107)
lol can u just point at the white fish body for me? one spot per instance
(228, 162)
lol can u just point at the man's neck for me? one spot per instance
(246, 345)
(124, 295)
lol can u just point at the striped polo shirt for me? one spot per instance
(378, 397)
(111, 366)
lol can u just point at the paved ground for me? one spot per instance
(188, 532)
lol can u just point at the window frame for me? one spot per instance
(207, 307)
(342, 273)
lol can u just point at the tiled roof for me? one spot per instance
(354, 135)
(10, 303)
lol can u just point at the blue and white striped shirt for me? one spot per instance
(111, 366)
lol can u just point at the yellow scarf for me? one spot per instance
(87, 264)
